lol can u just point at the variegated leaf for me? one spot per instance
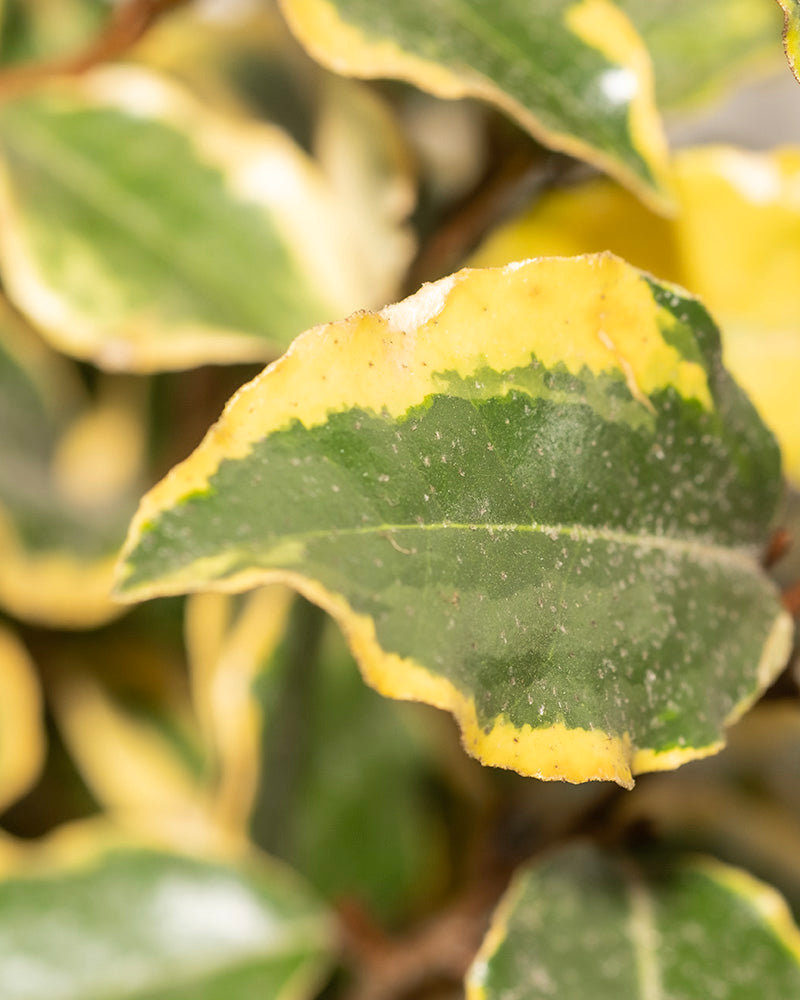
(735, 242)
(576, 75)
(583, 923)
(531, 496)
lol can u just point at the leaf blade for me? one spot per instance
(460, 486)
(113, 917)
(122, 264)
(582, 921)
(734, 243)
(519, 63)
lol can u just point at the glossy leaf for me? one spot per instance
(791, 33)
(129, 920)
(531, 496)
(735, 243)
(143, 232)
(22, 739)
(582, 923)
(69, 473)
(575, 75)
(688, 65)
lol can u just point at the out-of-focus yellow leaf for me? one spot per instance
(129, 752)
(69, 475)
(360, 148)
(37, 30)
(735, 243)
(227, 646)
(22, 739)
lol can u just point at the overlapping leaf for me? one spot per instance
(144, 232)
(583, 923)
(531, 496)
(124, 919)
(576, 75)
(251, 64)
(735, 242)
(69, 474)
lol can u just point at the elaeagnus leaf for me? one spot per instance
(585, 923)
(531, 496)
(575, 74)
(94, 914)
(735, 243)
(143, 231)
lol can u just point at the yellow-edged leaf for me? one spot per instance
(530, 495)
(735, 243)
(576, 75)
(95, 913)
(143, 231)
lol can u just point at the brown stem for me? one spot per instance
(791, 600)
(496, 196)
(437, 953)
(778, 546)
(126, 25)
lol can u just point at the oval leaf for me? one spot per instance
(583, 923)
(575, 75)
(735, 242)
(530, 495)
(134, 921)
(144, 232)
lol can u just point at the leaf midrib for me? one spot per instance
(744, 557)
